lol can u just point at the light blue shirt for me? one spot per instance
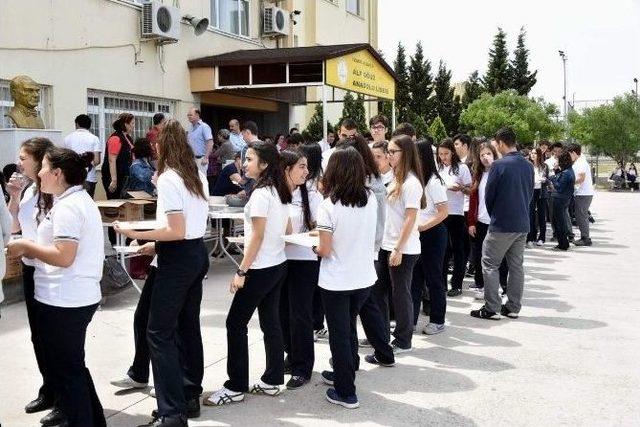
(238, 141)
(199, 134)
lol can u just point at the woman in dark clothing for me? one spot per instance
(116, 164)
(563, 182)
(538, 206)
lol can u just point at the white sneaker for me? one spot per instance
(127, 382)
(224, 396)
(263, 388)
(539, 243)
(433, 328)
(400, 350)
(529, 245)
(152, 392)
(478, 294)
(392, 325)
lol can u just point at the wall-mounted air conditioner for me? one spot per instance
(275, 21)
(160, 22)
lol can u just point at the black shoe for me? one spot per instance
(371, 358)
(193, 409)
(510, 314)
(558, 248)
(327, 377)
(454, 292)
(53, 418)
(296, 382)
(38, 404)
(583, 242)
(591, 220)
(176, 421)
(483, 313)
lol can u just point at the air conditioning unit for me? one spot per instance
(160, 22)
(275, 22)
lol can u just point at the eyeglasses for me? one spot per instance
(377, 127)
(392, 151)
(345, 136)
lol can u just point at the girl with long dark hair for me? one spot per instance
(433, 244)
(457, 178)
(346, 225)
(70, 255)
(182, 259)
(258, 281)
(538, 206)
(563, 184)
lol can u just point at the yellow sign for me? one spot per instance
(360, 72)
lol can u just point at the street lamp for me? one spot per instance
(563, 55)
(635, 80)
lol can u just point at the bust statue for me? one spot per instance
(26, 94)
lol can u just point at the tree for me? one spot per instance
(472, 89)
(313, 131)
(420, 83)
(531, 119)
(521, 79)
(353, 107)
(420, 125)
(497, 77)
(403, 96)
(437, 130)
(612, 130)
(447, 106)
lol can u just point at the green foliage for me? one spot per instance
(530, 119)
(447, 105)
(613, 130)
(418, 122)
(420, 85)
(497, 77)
(521, 79)
(472, 89)
(313, 131)
(353, 107)
(437, 130)
(403, 95)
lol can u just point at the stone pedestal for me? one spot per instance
(11, 139)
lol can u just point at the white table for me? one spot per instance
(217, 216)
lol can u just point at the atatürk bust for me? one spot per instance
(26, 95)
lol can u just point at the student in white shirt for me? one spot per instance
(182, 258)
(584, 192)
(433, 244)
(69, 257)
(401, 242)
(82, 141)
(348, 129)
(346, 225)
(28, 206)
(296, 301)
(258, 281)
(5, 232)
(381, 157)
(457, 178)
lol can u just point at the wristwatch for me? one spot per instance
(241, 273)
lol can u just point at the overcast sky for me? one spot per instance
(601, 39)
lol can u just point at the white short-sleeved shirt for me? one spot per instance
(82, 141)
(410, 197)
(435, 193)
(265, 203)
(349, 266)
(387, 177)
(173, 197)
(73, 217)
(27, 218)
(326, 155)
(586, 187)
(296, 214)
(483, 214)
(456, 198)
(551, 162)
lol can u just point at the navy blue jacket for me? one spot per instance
(508, 194)
(563, 183)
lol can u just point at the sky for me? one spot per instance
(601, 40)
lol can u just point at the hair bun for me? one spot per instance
(87, 159)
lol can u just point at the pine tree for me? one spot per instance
(437, 130)
(353, 107)
(447, 105)
(472, 89)
(403, 97)
(313, 131)
(497, 77)
(420, 84)
(521, 79)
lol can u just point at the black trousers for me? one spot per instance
(296, 314)
(559, 221)
(261, 290)
(173, 330)
(457, 229)
(46, 389)
(427, 274)
(90, 187)
(62, 336)
(139, 370)
(318, 310)
(537, 218)
(481, 233)
(342, 308)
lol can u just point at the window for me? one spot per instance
(353, 6)
(6, 103)
(231, 16)
(104, 108)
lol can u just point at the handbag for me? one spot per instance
(115, 278)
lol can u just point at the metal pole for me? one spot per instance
(564, 96)
(393, 114)
(635, 80)
(324, 114)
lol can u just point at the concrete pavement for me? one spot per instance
(570, 359)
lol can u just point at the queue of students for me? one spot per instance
(386, 216)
